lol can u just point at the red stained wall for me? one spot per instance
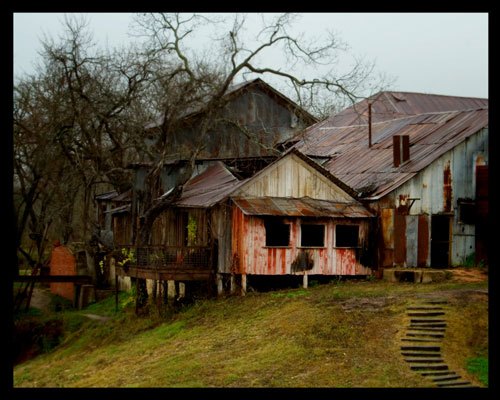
(251, 256)
(62, 262)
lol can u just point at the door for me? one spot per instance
(440, 241)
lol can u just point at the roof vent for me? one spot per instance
(401, 146)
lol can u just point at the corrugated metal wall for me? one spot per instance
(437, 187)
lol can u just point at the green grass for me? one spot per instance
(333, 335)
(478, 366)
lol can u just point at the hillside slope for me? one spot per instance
(345, 334)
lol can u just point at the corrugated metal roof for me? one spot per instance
(303, 207)
(208, 188)
(391, 105)
(370, 171)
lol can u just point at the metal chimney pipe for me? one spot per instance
(369, 124)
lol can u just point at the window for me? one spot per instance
(346, 235)
(277, 232)
(466, 211)
(312, 235)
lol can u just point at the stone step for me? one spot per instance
(421, 340)
(450, 377)
(427, 328)
(429, 324)
(421, 334)
(424, 307)
(427, 321)
(422, 348)
(414, 360)
(454, 384)
(425, 313)
(434, 373)
(420, 354)
(436, 301)
(429, 367)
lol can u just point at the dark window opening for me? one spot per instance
(312, 235)
(346, 235)
(277, 233)
(467, 212)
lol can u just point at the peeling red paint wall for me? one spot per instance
(249, 249)
(62, 262)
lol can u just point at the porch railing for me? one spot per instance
(169, 257)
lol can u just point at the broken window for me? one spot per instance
(277, 232)
(346, 235)
(312, 235)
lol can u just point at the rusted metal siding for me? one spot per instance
(438, 186)
(399, 239)
(387, 228)
(411, 240)
(253, 257)
(423, 241)
(292, 177)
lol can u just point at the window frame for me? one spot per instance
(357, 226)
(323, 246)
(277, 221)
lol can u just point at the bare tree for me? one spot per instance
(92, 106)
(186, 81)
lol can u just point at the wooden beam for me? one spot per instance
(53, 278)
(183, 274)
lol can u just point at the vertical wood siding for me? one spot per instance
(253, 257)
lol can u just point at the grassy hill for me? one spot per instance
(343, 334)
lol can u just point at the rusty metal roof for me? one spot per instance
(300, 207)
(370, 171)
(209, 187)
(391, 105)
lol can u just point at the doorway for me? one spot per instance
(440, 241)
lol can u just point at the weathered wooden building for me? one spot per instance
(225, 230)
(254, 120)
(420, 162)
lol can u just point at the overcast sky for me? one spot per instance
(440, 53)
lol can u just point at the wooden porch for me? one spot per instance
(168, 263)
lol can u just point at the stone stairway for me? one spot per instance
(421, 347)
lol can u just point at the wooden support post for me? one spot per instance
(220, 287)
(233, 285)
(304, 280)
(171, 292)
(243, 284)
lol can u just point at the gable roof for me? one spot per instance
(237, 89)
(370, 170)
